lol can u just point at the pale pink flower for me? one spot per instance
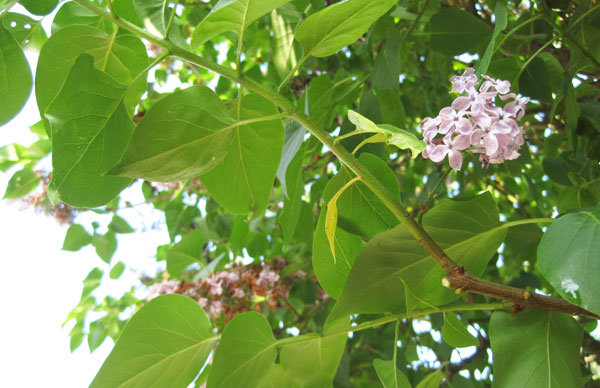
(474, 120)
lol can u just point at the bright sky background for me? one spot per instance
(42, 283)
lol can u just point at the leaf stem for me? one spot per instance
(112, 10)
(532, 57)
(417, 20)
(7, 9)
(158, 59)
(171, 19)
(431, 195)
(515, 29)
(291, 73)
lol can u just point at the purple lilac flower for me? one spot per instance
(474, 121)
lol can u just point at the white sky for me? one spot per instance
(42, 283)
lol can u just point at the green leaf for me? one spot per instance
(332, 274)
(284, 55)
(568, 257)
(106, 245)
(294, 138)
(26, 31)
(535, 81)
(277, 378)
(72, 13)
(251, 162)
(360, 213)
(117, 270)
(122, 57)
(200, 130)
(468, 231)
(39, 7)
(313, 363)
(454, 31)
(91, 282)
(432, 380)
(21, 183)
(76, 238)
(188, 251)
(391, 135)
(329, 30)
(389, 375)
(10, 155)
(165, 343)
(155, 15)
(455, 333)
(500, 24)
(549, 349)
(292, 202)
(119, 225)
(388, 63)
(331, 217)
(179, 217)
(90, 128)
(245, 353)
(232, 15)
(15, 77)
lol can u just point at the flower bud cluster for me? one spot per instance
(473, 121)
(228, 293)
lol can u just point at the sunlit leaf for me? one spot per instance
(164, 344)
(90, 129)
(196, 139)
(329, 30)
(245, 353)
(21, 183)
(76, 238)
(122, 57)
(232, 15)
(252, 158)
(15, 76)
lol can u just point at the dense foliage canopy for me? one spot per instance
(353, 190)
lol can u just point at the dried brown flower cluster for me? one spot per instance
(228, 293)
(62, 213)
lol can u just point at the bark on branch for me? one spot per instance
(463, 281)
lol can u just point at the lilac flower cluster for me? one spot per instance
(474, 121)
(231, 291)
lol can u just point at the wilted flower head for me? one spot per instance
(474, 121)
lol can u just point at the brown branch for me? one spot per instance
(463, 281)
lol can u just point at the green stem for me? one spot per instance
(515, 29)
(532, 57)
(161, 57)
(7, 9)
(291, 73)
(417, 20)
(589, 11)
(395, 356)
(590, 182)
(572, 40)
(431, 197)
(171, 18)
(112, 10)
